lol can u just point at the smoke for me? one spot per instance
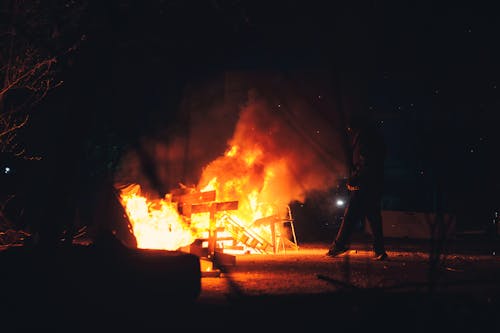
(287, 135)
(283, 151)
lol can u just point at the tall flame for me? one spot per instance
(259, 169)
(156, 223)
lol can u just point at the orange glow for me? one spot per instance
(156, 223)
(232, 151)
(239, 175)
(260, 170)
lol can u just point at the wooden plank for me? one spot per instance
(219, 206)
(194, 198)
(185, 201)
(200, 208)
(267, 220)
(226, 205)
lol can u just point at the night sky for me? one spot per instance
(428, 71)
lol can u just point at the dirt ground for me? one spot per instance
(310, 290)
(294, 290)
(309, 271)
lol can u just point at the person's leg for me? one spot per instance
(374, 217)
(352, 214)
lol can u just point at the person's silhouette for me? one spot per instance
(365, 185)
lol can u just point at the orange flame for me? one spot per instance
(156, 223)
(239, 175)
(259, 170)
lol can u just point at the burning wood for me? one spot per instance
(157, 224)
(177, 220)
(270, 161)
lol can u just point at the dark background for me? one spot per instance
(429, 72)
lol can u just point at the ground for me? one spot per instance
(309, 271)
(305, 289)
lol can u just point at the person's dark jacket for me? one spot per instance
(368, 156)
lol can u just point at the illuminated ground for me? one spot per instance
(310, 289)
(305, 290)
(309, 271)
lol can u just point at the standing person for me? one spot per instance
(365, 185)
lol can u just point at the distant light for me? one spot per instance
(317, 132)
(6, 170)
(340, 203)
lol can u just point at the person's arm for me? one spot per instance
(362, 173)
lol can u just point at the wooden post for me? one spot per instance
(213, 208)
(212, 232)
(186, 201)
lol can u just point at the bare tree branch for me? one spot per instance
(27, 74)
(14, 127)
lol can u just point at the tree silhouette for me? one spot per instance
(37, 42)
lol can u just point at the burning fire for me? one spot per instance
(239, 175)
(258, 170)
(156, 223)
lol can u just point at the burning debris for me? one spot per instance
(176, 221)
(156, 223)
(241, 200)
